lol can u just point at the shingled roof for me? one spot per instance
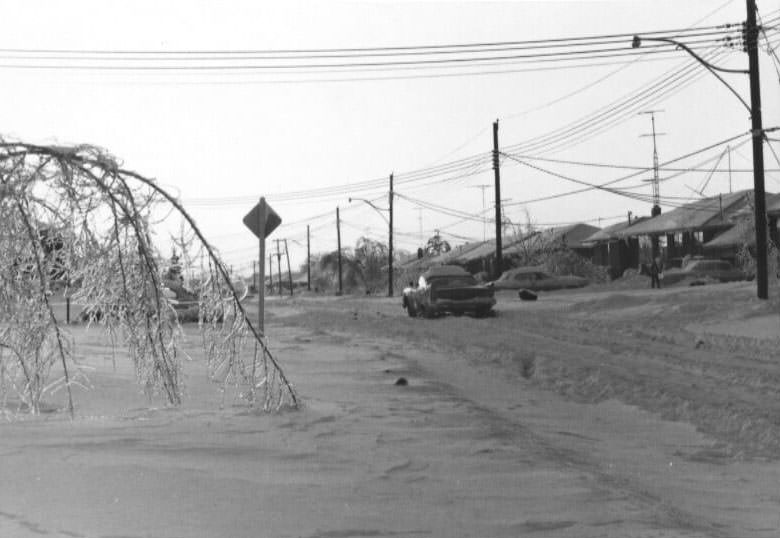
(735, 236)
(612, 232)
(707, 213)
(773, 205)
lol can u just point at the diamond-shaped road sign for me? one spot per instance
(262, 219)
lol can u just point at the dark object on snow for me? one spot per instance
(401, 382)
(526, 295)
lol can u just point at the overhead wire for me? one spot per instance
(770, 48)
(621, 166)
(710, 34)
(537, 58)
(628, 176)
(367, 51)
(589, 124)
(584, 128)
(368, 185)
(581, 89)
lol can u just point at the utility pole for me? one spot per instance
(270, 272)
(254, 273)
(420, 222)
(497, 173)
(279, 266)
(728, 149)
(484, 217)
(390, 245)
(338, 243)
(308, 259)
(289, 273)
(751, 38)
(656, 189)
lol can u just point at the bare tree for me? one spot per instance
(73, 218)
(436, 245)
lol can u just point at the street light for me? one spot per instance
(369, 202)
(389, 222)
(757, 131)
(637, 42)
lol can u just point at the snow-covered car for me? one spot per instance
(703, 269)
(536, 279)
(448, 288)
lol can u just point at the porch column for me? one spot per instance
(671, 251)
(773, 233)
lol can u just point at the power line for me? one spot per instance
(360, 50)
(604, 186)
(619, 166)
(624, 108)
(711, 36)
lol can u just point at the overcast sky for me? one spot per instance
(222, 138)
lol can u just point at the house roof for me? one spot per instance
(737, 235)
(613, 231)
(573, 236)
(773, 205)
(440, 259)
(711, 212)
(481, 250)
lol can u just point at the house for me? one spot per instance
(478, 259)
(684, 231)
(773, 214)
(414, 266)
(742, 233)
(614, 248)
(570, 237)
(482, 258)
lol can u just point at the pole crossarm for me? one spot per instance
(637, 42)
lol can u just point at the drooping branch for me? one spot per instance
(116, 277)
(45, 297)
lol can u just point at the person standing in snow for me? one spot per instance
(656, 272)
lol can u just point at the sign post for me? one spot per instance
(261, 221)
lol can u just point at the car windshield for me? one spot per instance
(453, 281)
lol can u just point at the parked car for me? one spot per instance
(448, 288)
(536, 279)
(700, 269)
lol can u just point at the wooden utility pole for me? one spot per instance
(390, 245)
(497, 173)
(308, 259)
(484, 217)
(279, 266)
(751, 42)
(289, 273)
(270, 271)
(338, 246)
(728, 149)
